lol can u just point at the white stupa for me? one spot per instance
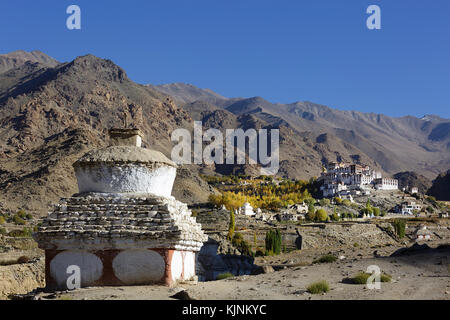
(123, 227)
(247, 210)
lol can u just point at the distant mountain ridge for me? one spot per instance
(19, 58)
(393, 144)
(186, 93)
(51, 113)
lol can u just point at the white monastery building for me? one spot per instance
(342, 176)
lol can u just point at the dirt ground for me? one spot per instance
(422, 275)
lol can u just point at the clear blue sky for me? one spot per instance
(284, 51)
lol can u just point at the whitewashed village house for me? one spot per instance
(408, 208)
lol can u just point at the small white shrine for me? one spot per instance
(247, 210)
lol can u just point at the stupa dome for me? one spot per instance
(125, 167)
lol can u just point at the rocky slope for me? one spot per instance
(19, 58)
(412, 179)
(441, 187)
(52, 116)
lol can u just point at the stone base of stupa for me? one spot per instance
(116, 241)
(120, 267)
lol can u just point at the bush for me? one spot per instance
(399, 227)
(385, 277)
(311, 215)
(273, 241)
(18, 220)
(259, 253)
(24, 233)
(361, 278)
(2, 220)
(23, 259)
(366, 211)
(338, 200)
(243, 246)
(224, 276)
(318, 287)
(376, 212)
(430, 209)
(310, 201)
(346, 203)
(334, 217)
(3, 231)
(324, 202)
(328, 258)
(22, 214)
(432, 200)
(321, 215)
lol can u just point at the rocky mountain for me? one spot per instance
(50, 116)
(19, 58)
(185, 93)
(412, 179)
(51, 113)
(321, 134)
(441, 187)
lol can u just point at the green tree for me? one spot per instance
(310, 201)
(243, 246)
(399, 227)
(346, 203)
(321, 215)
(311, 215)
(273, 241)
(18, 220)
(368, 210)
(376, 212)
(231, 226)
(334, 216)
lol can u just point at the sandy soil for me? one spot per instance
(424, 275)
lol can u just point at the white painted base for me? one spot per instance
(135, 267)
(90, 266)
(126, 179)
